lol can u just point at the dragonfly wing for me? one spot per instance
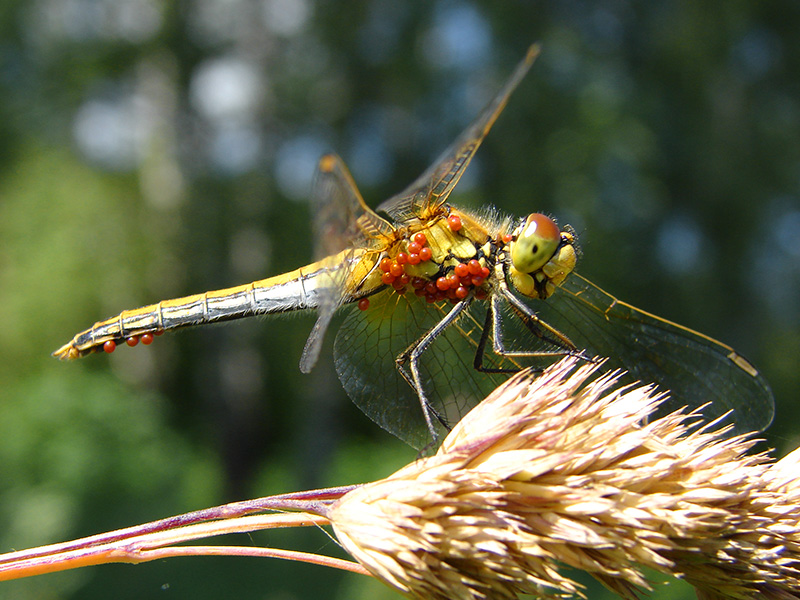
(696, 369)
(341, 217)
(331, 298)
(314, 342)
(368, 342)
(432, 188)
(342, 220)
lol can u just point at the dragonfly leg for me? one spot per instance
(534, 324)
(562, 345)
(492, 315)
(411, 356)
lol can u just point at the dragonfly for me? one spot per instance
(442, 303)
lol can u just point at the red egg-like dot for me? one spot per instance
(507, 237)
(385, 264)
(147, 338)
(414, 248)
(387, 278)
(461, 270)
(454, 221)
(414, 259)
(419, 292)
(430, 288)
(363, 304)
(474, 267)
(398, 283)
(418, 283)
(484, 272)
(401, 258)
(132, 341)
(396, 269)
(453, 281)
(477, 281)
(158, 332)
(442, 283)
(109, 346)
(425, 254)
(461, 292)
(420, 238)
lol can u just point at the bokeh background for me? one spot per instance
(149, 150)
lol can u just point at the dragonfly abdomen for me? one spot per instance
(296, 290)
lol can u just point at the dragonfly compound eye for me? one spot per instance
(536, 243)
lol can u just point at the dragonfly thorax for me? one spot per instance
(448, 259)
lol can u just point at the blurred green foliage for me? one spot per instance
(149, 150)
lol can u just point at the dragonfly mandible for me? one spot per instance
(444, 303)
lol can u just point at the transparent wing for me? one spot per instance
(342, 220)
(432, 188)
(696, 369)
(369, 341)
(341, 217)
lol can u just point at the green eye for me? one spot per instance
(536, 243)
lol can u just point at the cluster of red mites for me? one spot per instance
(145, 338)
(454, 286)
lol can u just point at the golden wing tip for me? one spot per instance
(327, 163)
(741, 362)
(533, 52)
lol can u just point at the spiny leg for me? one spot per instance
(411, 355)
(539, 328)
(480, 351)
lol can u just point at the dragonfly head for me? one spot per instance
(535, 242)
(541, 256)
